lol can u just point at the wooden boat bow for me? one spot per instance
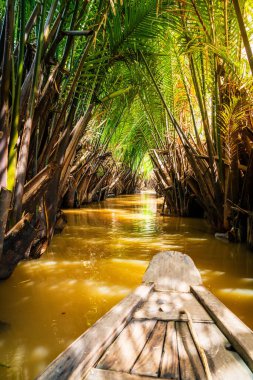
(170, 327)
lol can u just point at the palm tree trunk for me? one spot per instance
(26, 135)
(12, 161)
(71, 149)
(4, 90)
(71, 92)
(244, 33)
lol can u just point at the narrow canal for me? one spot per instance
(98, 259)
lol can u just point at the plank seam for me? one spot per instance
(124, 325)
(179, 367)
(148, 338)
(163, 350)
(171, 320)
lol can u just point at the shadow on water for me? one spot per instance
(97, 260)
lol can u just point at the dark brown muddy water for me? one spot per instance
(97, 260)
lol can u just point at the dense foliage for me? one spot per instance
(95, 93)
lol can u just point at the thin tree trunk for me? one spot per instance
(52, 195)
(26, 135)
(244, 33)
(12, 162)
(70, 152)
(4, 90)
(71, 92)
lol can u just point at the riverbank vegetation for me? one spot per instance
(95, 94)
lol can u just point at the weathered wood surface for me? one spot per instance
(172, 270)
(158, 334)
(101, 374)
(239, 335)
(80, 356)
(189, 361)
(170, 353)
(148, 362)
(224, 364)
(168, 306)
(124, 351)
(170, 359)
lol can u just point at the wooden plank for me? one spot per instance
(167, 318)
(168, 306)
(190, 364)
(223, 364)
(81, 355)
(149, 360)
(172, 270)
(124, 351)
(169, 362)
(101, 374)
(238, 334)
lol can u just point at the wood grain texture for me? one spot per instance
(224, 364)
(167, 306)
(169, 318)
(139, 338)
(189, 361)
(149, 360)
(82, 354)
(100, 374)
(238, 334)
(172, 270)
(169, 360)
(124, 351)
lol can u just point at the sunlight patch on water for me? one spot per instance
(247, 280)
(40, 352)
(205, 272)
(131, 262)
(111, 290)
(237, 292)
(49, 263)
(44, 265)
(99, 287)
(218, 273)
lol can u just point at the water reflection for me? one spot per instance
(100, 257)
